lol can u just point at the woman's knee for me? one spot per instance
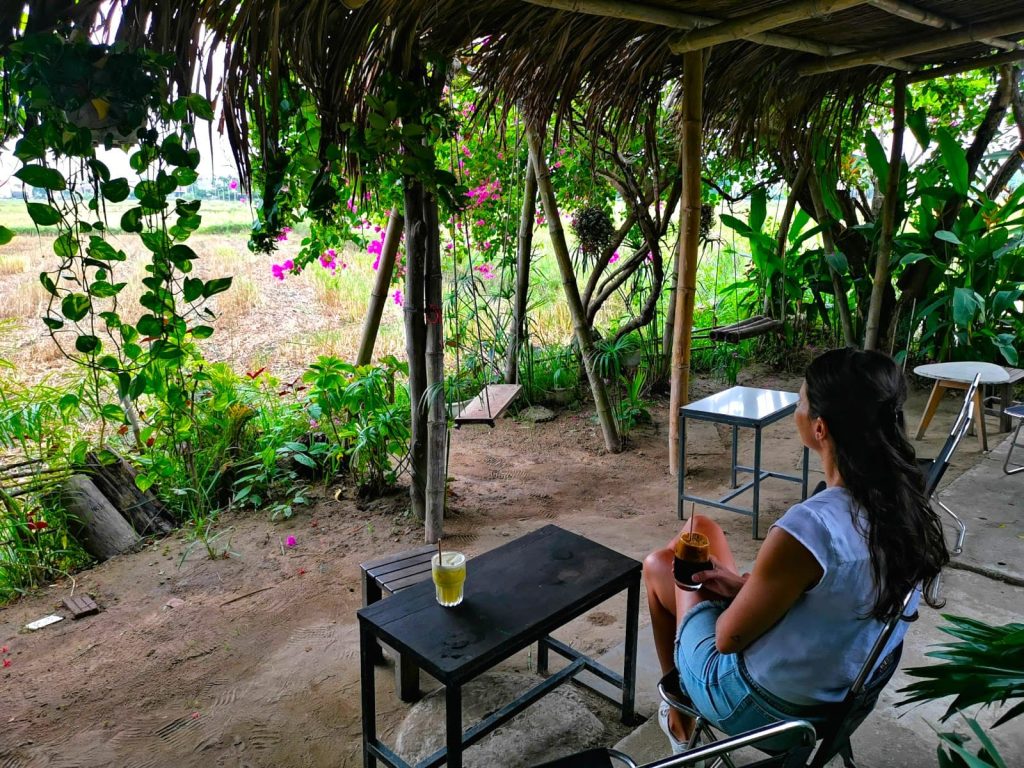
(657, 564)
(705, 525)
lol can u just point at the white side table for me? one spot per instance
(959, 376)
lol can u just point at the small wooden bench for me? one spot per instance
(392, 574)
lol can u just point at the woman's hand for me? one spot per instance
(720, 581)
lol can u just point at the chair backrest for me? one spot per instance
(863, 693)
(956, 434)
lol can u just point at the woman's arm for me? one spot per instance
(783, 571)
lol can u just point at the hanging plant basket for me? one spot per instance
(593, 229)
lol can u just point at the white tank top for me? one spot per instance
(812, 655)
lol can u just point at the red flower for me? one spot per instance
(123, 430)
(7, 663)
(5, 649)
(302, 571)
(38, 526)
(149, 443)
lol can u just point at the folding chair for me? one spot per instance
(841, 721)
(934, 469)
(1017, 412)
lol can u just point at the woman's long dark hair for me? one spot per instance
(860, 395)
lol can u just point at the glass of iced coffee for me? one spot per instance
(692, 554)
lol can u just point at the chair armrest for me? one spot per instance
(801, 731)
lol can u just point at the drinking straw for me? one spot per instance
(693, 507)
(440, 560)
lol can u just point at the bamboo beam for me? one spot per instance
(672, 19)
(761, 21)
(524, 252)
(689, 247)
(882, 279)
(929, 19)
(437, 415)
(1014, 25)
(967, 65)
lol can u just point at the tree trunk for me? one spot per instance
(97, 526)
(523, 254)
(889, 208)
(689, 245)
(437, 419)
(670, 321)
(381, 286)
(116, 481)
(416, 341)
(572, 292)
(839, 292)
(784, 225)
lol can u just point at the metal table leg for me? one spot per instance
(757, 476)
(682, 466)
(735, 452)
(367, 646)
(629, 662)
(453, 725)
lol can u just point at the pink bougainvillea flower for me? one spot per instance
(5, 649)
(233, 184)
(614, 258)
(290, 542)
(557, 165)
(376, 263)
(449, 247)
(397, 296)
(487, 245)
(243, 199)
(480, 222)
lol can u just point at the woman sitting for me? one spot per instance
(788, 639)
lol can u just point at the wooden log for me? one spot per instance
(94, 522)
(719, 334)
(116, 480)
(437, 417)
(750, 331)
(524, 252)
(416, 341)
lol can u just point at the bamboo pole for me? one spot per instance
(524, 248)
(882, 279)
(416, 341)
(609, 428)
(689, 246)
(921, 16)
(437, 417)
(968, 65)
(925, 44)
(838, 291)
(673, 19)
(381, 287)
(752, 23)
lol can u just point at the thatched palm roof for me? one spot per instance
(765, 75)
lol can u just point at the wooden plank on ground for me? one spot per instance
(81, 606)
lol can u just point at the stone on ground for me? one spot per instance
(562, 717)
(537, 414)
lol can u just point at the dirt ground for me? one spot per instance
(252, 660)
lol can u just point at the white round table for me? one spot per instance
(958, 376)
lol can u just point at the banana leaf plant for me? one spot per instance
(985, 666)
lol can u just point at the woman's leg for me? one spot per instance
(668, 603)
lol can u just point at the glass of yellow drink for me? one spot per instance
(449, 572)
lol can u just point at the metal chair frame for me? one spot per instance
(834, 734)
(938, 466)
(1016, 411)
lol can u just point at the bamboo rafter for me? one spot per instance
(761, 21)
(929, 19)
(1013, 25)
(967, 65)
(673, 19)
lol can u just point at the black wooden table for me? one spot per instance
(515, 595)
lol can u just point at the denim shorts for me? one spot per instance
(717, 683)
